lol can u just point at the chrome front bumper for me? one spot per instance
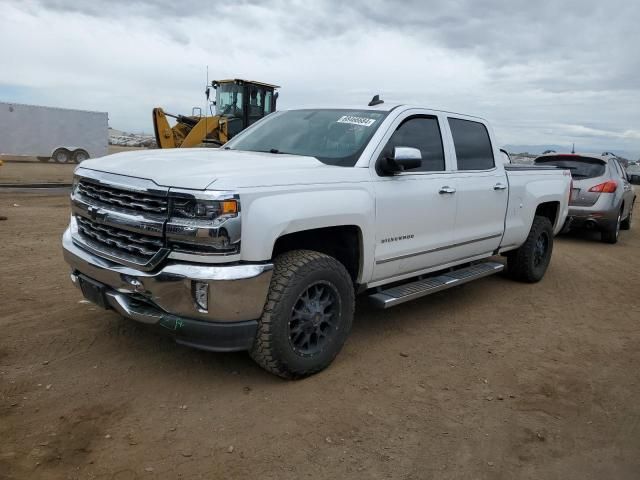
(236, 293)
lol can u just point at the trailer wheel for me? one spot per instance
(61, 155)
(80, 155)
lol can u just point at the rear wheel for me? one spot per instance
(529, 262)
(626, 223)
(61, 155)
(612, 234)
(307, 316)
(80, 155)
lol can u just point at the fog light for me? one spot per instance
(201, 295)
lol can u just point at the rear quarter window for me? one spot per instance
(581, 167)
(472, 144)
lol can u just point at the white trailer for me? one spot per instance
(61, 134)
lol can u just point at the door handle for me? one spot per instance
(499, 186)
(446, 189)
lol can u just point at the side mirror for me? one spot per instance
(403, 158)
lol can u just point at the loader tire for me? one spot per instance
(307, 316)
(529, 262)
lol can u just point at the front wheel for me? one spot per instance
(529, 262)
(307, 316)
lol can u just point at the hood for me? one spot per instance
(199, 168)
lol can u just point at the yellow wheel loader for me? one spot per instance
(238, 104)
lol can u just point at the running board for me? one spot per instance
(409, 291)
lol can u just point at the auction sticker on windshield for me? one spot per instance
(365, 122)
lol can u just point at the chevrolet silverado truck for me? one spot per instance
(262, 245)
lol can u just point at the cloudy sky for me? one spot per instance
(545, 72)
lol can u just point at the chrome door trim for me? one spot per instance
(424, 252)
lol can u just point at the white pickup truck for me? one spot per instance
(262, 245)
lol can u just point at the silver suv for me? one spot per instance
(602, 197)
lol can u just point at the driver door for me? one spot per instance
(415, 209)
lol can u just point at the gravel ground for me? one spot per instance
(494, 379)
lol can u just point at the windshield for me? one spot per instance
(335, 137)
(229, 100)
(581, 167)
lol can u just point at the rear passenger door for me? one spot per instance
(482, 189)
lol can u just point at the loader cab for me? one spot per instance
(243, 102)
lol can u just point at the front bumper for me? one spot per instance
(165, 298)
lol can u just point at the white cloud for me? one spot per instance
(541, 74)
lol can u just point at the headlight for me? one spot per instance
(206, 223)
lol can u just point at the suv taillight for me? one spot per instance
(606, 187)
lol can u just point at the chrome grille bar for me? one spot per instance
(142, 246)
(120, 198)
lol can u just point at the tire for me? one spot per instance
(612, 234)
(529, 262)
(290, 317)
(626, 223)
(80, 156)
(61, 155)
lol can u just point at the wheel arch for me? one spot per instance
(343, 242)
(277, 220)
(549, 210)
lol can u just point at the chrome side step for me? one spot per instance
(409, 291)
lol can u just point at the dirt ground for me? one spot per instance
(23, 170)
(492, 380)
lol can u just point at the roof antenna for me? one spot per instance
(573, 148)
(375, 101)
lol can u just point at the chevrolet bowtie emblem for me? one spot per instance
(96, 213)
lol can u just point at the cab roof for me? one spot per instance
(382, 107)
(240, 80)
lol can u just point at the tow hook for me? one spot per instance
(136, 284)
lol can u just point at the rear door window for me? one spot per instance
(581, 167)
(472, 143)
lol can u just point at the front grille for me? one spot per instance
(124, 199)
(122, 243)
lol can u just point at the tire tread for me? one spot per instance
(520, 260)
(288, 265)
